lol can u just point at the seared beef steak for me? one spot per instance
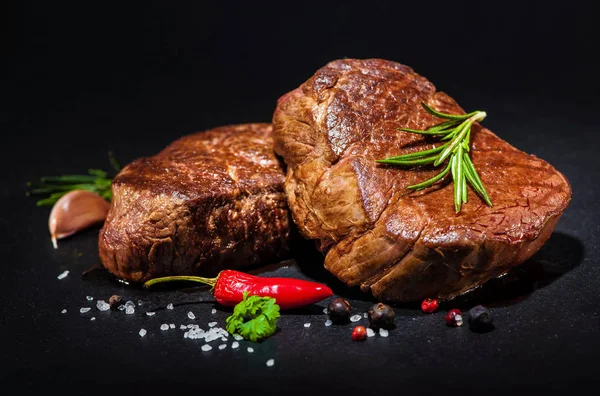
(208, 201)
(397, 244)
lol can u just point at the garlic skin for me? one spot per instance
(75, 211)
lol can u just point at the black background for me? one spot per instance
(80, 79)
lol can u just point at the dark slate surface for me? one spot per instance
(78, 82)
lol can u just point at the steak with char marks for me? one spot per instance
(375, 233)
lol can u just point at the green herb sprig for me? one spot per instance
(254, 318)
(54, 187)
(457, 132)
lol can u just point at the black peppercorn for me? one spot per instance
(381, 316)
(480, 319)
(339, 310)
(114, 301)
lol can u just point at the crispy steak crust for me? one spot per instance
(397, 244)
(208, 201)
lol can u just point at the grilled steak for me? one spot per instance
(397, 244)
(208, 201)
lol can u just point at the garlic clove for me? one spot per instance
(75, 211)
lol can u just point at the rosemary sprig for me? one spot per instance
(457, 132)
(54, 187)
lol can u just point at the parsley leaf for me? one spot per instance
(254, 318)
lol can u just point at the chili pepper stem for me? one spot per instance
(207, 281)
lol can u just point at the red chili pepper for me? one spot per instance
(429, 305)
(229, 285)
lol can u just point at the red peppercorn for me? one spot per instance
(454, 318)
(359, 333)
(429, 305)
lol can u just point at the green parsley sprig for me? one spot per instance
(254, 318)
(457, 131)
(54, 187)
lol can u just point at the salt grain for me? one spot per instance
(121, 307)
(355, 318)
(102, 305)
(89, 298)
(182, 327)
(222, 346)
(365, 315)
(238, 337)
(129, 310)
(170, 306)
(370, 332)
(383, 332)
(93, 318)
(150, 313)
(63, 311)
(142, 332)
(140, 302)
(164, 326)
(250, 349)
(235, 344)
(212, 324)
(84, 310)
(63, 275)
(306, 324)
(191, 315)
(270, 362)
(214, 311)
(328, 322)
(206, 347)
(172, 325)
(130, 304)
(325, 311)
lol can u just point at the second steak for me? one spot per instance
(208, 201)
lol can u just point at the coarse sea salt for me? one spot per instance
(172, 325)
(142, 332)
(170, 306)
(191, 315)
(212, 324)
(89, 298)
(84, 310)
(164, 326)
(270, 362)
(383, 332)
(237, 337)
(150, 313)
(206, 347)
(235, 344)
(63, 311)
(102, 305)
(129, 310)
(214, 311)
(306, 324)
(365, 315)
(222, 346)
(250, 349)
(325, 311)
(355, 318)
(328, 322)
(130, 303)
(93, 318)
(63, 274)
(370, 332)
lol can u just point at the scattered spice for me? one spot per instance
(429, 305)
(359, 333)
(114, 301)
(480, 319)
(381, 316)
(454, 318)
(339, 310)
